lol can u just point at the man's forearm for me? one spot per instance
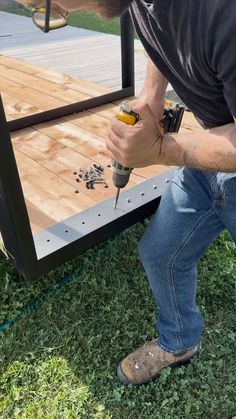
(155, 83)
(214, 149)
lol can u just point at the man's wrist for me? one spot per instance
(148, 96)
(167, 154)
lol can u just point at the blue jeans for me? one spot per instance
(195, 208)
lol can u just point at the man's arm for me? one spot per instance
(213, 149)
(153, 92)
(141, 145)
(155, 83)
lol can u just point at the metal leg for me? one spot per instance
(127, 52)
(47, 15)
(14, 220)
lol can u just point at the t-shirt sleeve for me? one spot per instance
(225, 57)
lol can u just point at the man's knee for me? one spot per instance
(153, 248)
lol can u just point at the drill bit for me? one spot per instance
(117, 198)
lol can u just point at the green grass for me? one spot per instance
(84, 20)
(60, 361)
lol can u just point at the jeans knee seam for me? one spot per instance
(213, 180)
(172, 262)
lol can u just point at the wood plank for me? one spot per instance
(38, 220)
(190, 123)
(82, 141)
(27, 95)
(82, 86)
(54, 197)
(39, 86)
(61, 161)
(17, 109)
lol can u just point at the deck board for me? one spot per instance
(86, 54)
(49, 154)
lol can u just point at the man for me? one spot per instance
(191, 44)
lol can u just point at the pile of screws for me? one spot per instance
(91, 176)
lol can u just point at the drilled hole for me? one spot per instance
(83, 222)
(99, 215)
(66, 231)
(48, 240)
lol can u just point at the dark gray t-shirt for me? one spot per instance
(193, 44)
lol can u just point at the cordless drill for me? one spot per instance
(172, 118)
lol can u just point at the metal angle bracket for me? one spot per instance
(67, 239)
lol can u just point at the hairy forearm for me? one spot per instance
(155, 83)
(213, 149)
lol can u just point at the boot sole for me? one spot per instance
(126, 381)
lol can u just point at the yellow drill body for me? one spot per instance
(173, 114)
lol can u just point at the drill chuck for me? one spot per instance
(121, 175)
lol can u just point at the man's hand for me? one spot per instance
(141, 145)
(155, 106)
(138, 145)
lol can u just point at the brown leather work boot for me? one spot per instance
(147, 362)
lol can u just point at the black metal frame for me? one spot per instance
(127, 90)
(36, 254)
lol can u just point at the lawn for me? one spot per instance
(59, 361)
(84, 20)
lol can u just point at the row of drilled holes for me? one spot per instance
(66, 231)
(99, 215)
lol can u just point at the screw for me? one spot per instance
(99, 181)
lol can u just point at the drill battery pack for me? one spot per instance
(172, 118)
(173, 115)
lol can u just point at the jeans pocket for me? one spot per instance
(223, 183)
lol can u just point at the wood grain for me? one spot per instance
(48, 155)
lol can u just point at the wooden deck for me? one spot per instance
(82, 53)
(49, 154)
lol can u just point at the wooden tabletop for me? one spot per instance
(48, 155)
